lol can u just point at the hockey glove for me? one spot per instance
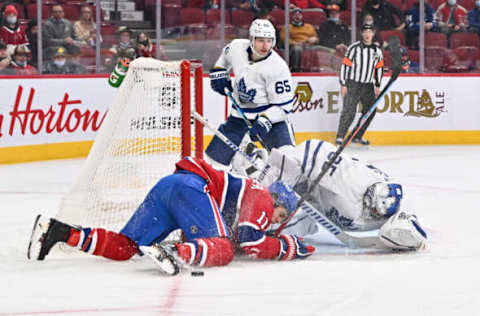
(219, 80)
(260, 127)
(292, 247)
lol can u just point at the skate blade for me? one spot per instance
(167, 265)
(34, 246)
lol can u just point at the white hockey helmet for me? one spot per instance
(383, 199)
(261, 28)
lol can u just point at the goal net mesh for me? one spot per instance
(139, 142)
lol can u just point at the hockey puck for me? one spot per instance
(197, 273)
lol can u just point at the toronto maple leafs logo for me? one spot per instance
(245, 96)
(340, 220)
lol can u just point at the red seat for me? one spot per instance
(314, 17)
(72, 12)
(467, 4)
(409, 4)
(213, 17)
(414, 55)
(32, 11)
(242, 18)
(321, 61)
(466, 56)
(384, 36)
(464, 39)
(213, 32)
(435, 58)
(278, 17)
(346, 17)
(170, 15)
(436, 39)
(191, 16)
(399, 4)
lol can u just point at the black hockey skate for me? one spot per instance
(165, 256)
(45, 235)
(361, 141)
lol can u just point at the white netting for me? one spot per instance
(138, 143)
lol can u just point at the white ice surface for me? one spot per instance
(441, 182)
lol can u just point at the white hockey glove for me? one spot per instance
(403, 231)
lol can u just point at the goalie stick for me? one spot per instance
(394, 47)
(319, 217)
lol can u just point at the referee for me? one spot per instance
(360, 77)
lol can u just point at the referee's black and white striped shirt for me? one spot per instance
(363, 64)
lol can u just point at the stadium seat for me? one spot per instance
(314, 17)
(278, 17)
(435, 58)
(191, 16)
(467, 4)
(213, 32)
(320, 61)
(346, 17)
(398, 3)
(213, 17)
(409, 4)
(170, 15)
(32, 11)
(72, 12)
(464, 39)
(436, 39)
(384, 36)
(242, 18)
(414, 55)
(466, 56)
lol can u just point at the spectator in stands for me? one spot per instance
(451, 17)
(32, 31)
(301, 35)
(383, 13)
(5, 61)
(125, 46)
(145, 47)
(408, 66)
(19, 63)
(474, 18)
(413, 26)
(85, 30)
(11, 33)
(306, 4)
(61, 65)
(342, 4)
(334, 33)
(58, 31)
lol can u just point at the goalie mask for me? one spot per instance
(382, 199)
(261, 28)
(283, 194)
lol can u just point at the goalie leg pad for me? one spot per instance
(403, 231)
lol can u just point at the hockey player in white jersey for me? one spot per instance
(354, 195)
(263, 89)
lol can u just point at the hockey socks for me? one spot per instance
(100, 242)
(206, 252)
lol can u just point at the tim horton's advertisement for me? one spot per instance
(38, 111)
(49, 110)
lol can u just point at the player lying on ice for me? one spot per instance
(354, 195)
(207, 205)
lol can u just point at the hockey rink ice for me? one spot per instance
(441, 182)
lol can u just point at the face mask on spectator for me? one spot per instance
(11, 19)
(452, 2)
(21, 63)
(333, 19)
(59, 62)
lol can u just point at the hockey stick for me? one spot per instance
(394, 47)
(244, 117)
(316, 215)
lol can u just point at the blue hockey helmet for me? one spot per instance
(283, 194)
(383, 199)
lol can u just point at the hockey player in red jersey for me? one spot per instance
(215, 210)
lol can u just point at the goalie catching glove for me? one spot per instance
(293, 247)
(219, 80)
(403, 231)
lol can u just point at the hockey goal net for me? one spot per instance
(147, 129)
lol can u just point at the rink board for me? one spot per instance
(57, 117)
